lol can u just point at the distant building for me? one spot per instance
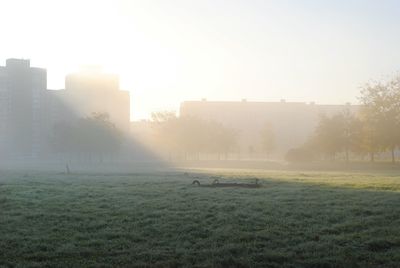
(29, 112)
(91, 92)
(292, 122)
(22, 101)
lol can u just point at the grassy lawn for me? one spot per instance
(161, 220)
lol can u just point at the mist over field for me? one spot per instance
(199, 133)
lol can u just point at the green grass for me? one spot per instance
(160, 220)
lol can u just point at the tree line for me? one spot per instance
(87, 139)
(193, 138)
(374, 129)
(187, 137)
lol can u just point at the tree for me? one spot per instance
(93, 135)
(381, 113)
(221, 138)
(329, 138)
(342, 132)
(355, 137)
(98, 135)
(166, 132)
(267, 138)
(352, 132)
(63, 139)
(161, 117)
(190, 136)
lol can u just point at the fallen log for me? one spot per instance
(216, 183)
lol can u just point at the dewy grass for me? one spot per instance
(161, 220)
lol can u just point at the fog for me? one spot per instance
(88, 122)
(87, 126)
(203, 133)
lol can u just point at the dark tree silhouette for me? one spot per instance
(92, 136)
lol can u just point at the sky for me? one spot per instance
(167, 52)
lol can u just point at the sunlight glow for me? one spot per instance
(168, 52)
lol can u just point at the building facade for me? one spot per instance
(90, 92)
(22, 108)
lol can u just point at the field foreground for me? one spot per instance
(161, 220)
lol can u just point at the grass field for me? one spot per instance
(161, 220)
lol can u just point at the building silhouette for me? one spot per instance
(87, 92)
(29, 111)
(22, 108)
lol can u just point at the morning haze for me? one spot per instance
(199, 133)
(263, 51)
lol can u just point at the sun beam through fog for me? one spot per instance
(199, 133)
(167, 52)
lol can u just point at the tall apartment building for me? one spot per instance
(89, 92)
(22, 108)
(29, 112)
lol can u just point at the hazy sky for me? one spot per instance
(170, 51)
